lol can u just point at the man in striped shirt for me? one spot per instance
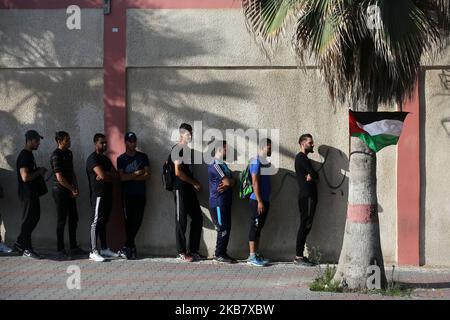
(220, 198)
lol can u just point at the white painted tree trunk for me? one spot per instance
(361, 246)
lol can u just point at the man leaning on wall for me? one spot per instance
(101, 175)
(65, 192)
(185, 196)
(134, 171)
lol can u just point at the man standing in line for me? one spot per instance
(101, 175)
(31, 187)
(259, 201)
(134, 171)
(307, 197)
(221, 183)
(65, 192)
(186, 201)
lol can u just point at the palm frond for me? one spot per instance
(405, 34)
(357, 61)
(266, 19)
(442, 8)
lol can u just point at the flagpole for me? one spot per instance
(349, 142)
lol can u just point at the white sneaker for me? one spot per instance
(108, 253)
(4, 248)
(96, 257)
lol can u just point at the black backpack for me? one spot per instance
(168, 174)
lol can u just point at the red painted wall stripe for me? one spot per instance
(408, 185)
(49, 4)
(138, 4)
(184, 4)
(114, 100)
(114, 77)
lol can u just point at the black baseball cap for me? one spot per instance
(33, 134)
(130, 136)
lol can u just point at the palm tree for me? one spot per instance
(368, 52)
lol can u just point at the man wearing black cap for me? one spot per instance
(31, 187)
(134, 170)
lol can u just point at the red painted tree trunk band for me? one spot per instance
(362, 213)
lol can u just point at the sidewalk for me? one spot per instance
(167, 278)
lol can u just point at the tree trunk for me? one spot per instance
(361, 246)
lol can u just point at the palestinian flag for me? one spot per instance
(376, 129)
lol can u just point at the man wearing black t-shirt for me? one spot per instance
(134, 171)
(31, 187)
(65, 191)
(185, 195)
(307, 198)
(101, 175)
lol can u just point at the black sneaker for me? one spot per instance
(197, 256)
(303, 262)
(18, 248)
(31, 254)
(132, 254)
(124, 253)
(233, 260)
(62, 255)
(75, 252)
(225, 259)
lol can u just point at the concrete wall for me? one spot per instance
(435, 173)
(217, 38)
(213, 72)
(387, 198)
(47, 101)
(40, 38)
(50, 79)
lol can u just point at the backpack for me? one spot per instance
(168, 174)
(245, 183)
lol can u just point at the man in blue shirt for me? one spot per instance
(259, 200)
(221, 183)
(134, 171)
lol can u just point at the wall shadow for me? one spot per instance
(158, 99)
(327, 235)
(46, 92)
